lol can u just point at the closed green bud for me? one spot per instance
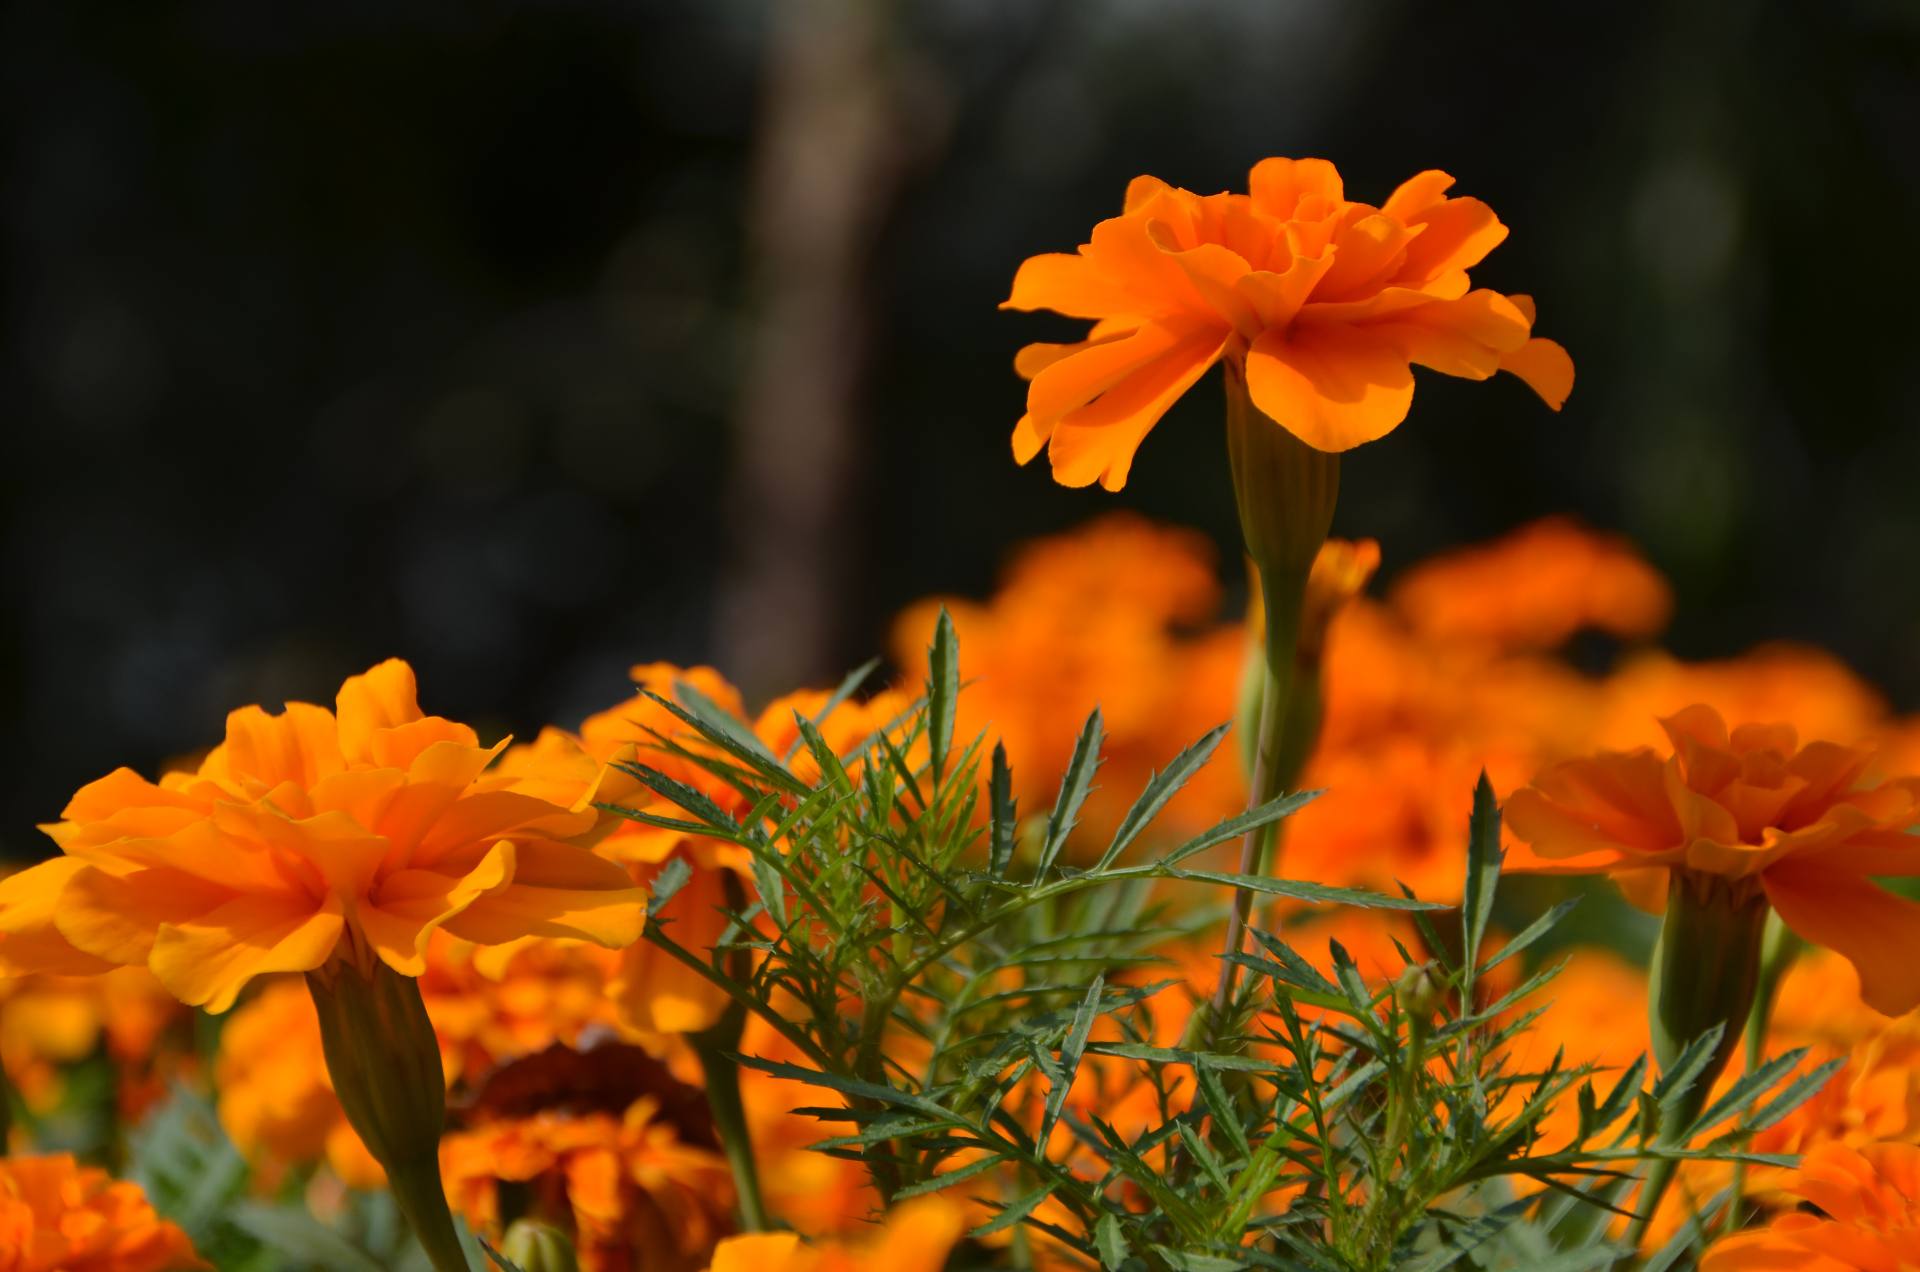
(533, 1246)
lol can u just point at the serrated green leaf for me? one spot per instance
(1483, 873)
(1073, 793)
(1014, 1212)
(1234, 827)
(667, 884)
(1298, 891)
(1160, 788)
(943, 692)
(1000, 853)
(1111, 1242)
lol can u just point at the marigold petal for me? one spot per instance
(762, 1252)
(1295, 188)
(1417, 194)
(299, 745)
(1457, 234)
(208, 961)
(115, 916)
(29, 940)
(557, 890)
(1546, 367)
(382, 697)
(1097, 442)
(1067, 283)
(1333, 388)
(1876, 931)
(410, 904)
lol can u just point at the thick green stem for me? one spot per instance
(1285, 491)
(715, 1049)
(385, 1065)
(722, 1072)
(1706, 971)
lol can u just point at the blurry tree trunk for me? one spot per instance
(826, 173)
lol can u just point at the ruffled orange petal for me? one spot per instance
(382, 697)
(1546, 367)
(557, 890)
(115, 916)
(1876, 931)
(297, 746)
(207, 962)
(409, 905)
(1296, 189)
(1097, 442)
(1332, 387)
(30, 942)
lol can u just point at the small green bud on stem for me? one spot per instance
(539, 1247)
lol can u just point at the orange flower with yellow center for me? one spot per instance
(59, 1216)
(1322, 304)
(1868, 1217)
(355, 832)
(1753, 809)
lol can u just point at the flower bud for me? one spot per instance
(1419, 991)
(538, 1247)
(385, 1065)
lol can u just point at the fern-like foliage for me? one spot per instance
(947, 972)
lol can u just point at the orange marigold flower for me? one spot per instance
(914, 1237)
(366, 828)
(1321, 302)
(1536, 587)
(50, 1022)
(1752, 807)
(630, 1190)
(1869, 1217)
(59, 1216)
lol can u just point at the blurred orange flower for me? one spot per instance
(1534, 588)
(1868, 1217)
(59, 1216)
(914, 1237)
(1320, 302)
(304, 835)
(630, 1190)
(1753, 807)
(49, 1022)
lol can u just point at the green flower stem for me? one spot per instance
(385, 1065)
(1706, 973)
(1285, 491)
(715, 1051)
(715, 1048)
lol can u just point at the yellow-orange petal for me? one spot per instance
(410, 904)
(208, 961)
(29, 940)
(1876, 931)
(762, 1252)
(1456, 235)
(1332, 387)
(382, 697)
(1295, 188)
(115, 916)
(1097, 442)
(1546, 367)
(299, 745)
(1066, 283)
(556, 890)
(1417, 194)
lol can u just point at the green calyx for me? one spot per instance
(1706, 966)
(385, 1065)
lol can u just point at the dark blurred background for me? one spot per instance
(529, 341)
